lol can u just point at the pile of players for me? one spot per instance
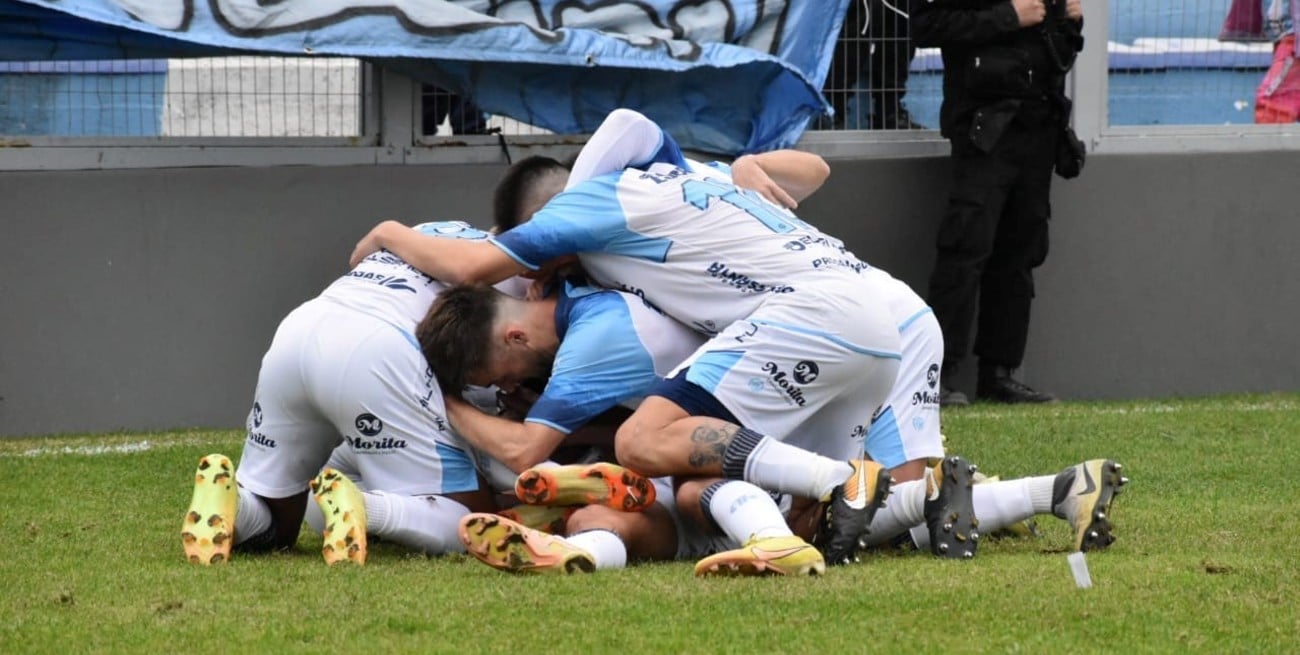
(762, 390)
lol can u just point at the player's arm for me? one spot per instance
(453, 261)
(624, 139)
(782, 176)
(515, 444)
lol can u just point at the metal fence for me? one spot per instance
(1164, 65)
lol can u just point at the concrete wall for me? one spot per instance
(143, 299)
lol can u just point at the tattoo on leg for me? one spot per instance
(708, 442)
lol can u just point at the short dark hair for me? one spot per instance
(514, 187)
(456, 334)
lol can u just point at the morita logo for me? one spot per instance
(384, 443)
(783, 382)
(261, 439)
(925, 398)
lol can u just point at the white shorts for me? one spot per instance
(334, 375)
(783, 369)
(907, 428)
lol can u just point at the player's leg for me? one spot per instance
(904, 436)
(1080, 495)
(772, 376)
(599, 483)
(420, 479)
(733, 507)
(288, 440)
(599, 538)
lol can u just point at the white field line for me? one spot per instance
(995, 412)
(107, 447)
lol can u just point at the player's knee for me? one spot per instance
(628, 449)
(592, 517)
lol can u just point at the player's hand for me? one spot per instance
(1074, 9)
(1030, 12)
(371, 243)
(747, 174)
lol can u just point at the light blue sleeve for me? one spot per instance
(601, 362)
(586, 218)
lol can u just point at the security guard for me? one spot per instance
(1006, 115)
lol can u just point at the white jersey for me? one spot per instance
(384, 286)
(689, 241)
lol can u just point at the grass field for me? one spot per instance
(90, 561)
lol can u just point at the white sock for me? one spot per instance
(904, 508)
(1041, 490)
(999, 504)
(605, 547)
(744, 511)
(252, 516)
(792, 470)
(424, 523)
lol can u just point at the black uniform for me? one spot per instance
(1003, 111)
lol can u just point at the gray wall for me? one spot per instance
(143, 299)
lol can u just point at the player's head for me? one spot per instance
(474, 334)
(527, 185)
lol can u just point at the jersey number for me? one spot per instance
(698, 193)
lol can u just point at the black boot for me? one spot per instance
(948, 395)
(996, 384)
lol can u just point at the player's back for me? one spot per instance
(710, 253)
(383, 285)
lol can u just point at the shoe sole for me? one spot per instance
(344, 509)
(595, 484)
(1098, 533)
(207, 531)
(508, 546)
(953, 530)
(743, 563)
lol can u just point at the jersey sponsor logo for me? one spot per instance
(859, 432)
(851, 263)
(790, 388)
(660, 178)
(932, 375)
(923, 397)
(806, 371)
(384, 280)
(368, 424)
(255, 417)
(743, 282)
(261, 439)
(382, 443)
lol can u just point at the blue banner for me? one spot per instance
(722, 76)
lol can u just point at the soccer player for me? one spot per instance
(796, 331)
(596, 348)
(344, 368)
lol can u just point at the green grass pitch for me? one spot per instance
(90, 561)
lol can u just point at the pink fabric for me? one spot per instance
(1277, 100)
(1244, 22)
